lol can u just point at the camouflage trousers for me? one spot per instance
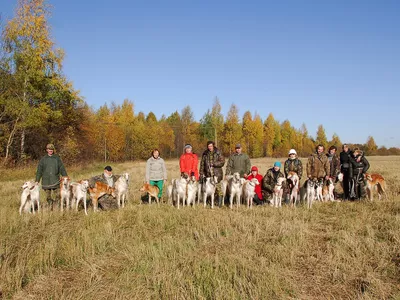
(53, 198)
(107, 202)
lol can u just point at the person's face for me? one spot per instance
(292, 155)
(345, 148)
(50, 151)
(188, 150)
(156, 154)
(332, 151)
(320, 150)
(108, 173)
(276, 168)
(238, 150)
(254, 173)
(210, 147)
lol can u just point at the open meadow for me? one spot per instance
(341, 250)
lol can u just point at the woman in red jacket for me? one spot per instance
(188, 162)
(258, 199)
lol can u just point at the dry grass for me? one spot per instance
(334, 251)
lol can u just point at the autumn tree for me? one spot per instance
(35, 65)
(269, 135)
(321, 137)
(217, 120)
(232, 133)
(371, 147)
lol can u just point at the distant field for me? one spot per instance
(347, 250)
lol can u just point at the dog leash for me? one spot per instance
(50, 186)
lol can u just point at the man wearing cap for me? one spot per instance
(271, 179)
(106, 202)
(238, 162)
(258, 198)
(292, 164)
(188, 162)
(211, 165)
(50, 169)
(318, 167)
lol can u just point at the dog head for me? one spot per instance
(84, 184)
(254, 181)
(236, 177)
(126, 177)
(65, 182)
(280, 181)
(29, 185)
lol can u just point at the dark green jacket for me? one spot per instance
(238, 163)
(271, 178)
(50, 169)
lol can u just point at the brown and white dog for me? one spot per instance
(29, 196)
(378, 181)
(327, 190)
(79, 193)
(65, 192)
(310, 193)
(99, 190)
(152, 190)
(278, 191)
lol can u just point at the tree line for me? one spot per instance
(39, 105)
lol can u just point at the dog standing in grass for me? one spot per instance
(29, 197)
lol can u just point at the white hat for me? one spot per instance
(292, 151)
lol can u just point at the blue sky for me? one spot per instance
(334, 63)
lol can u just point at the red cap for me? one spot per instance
(254, 168)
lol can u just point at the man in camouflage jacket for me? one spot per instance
(106, 202)
(318, 165)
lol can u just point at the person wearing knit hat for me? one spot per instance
(238, 162)
(292, 164)
(188, 162)
(49, 170)
(271, 179)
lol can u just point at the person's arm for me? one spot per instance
(286, 168)
(39, 171)
(147, 176)
(194, 166)
(229, 166)
(309, 165)
(61, 167)
(181, 163)
(220, 161)
(299, 168)
(248, 165)
(164, 170)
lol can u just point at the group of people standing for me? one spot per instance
(320, 166)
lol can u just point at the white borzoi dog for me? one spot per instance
(179, 189)
(79, 193)
(30, 196)
(121, 189)
(208, 189)
(235, 184)
(294, 187)
(310, 193)
(318, 190)
(249, 190)
(65, 193)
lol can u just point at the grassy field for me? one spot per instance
(347, 250)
